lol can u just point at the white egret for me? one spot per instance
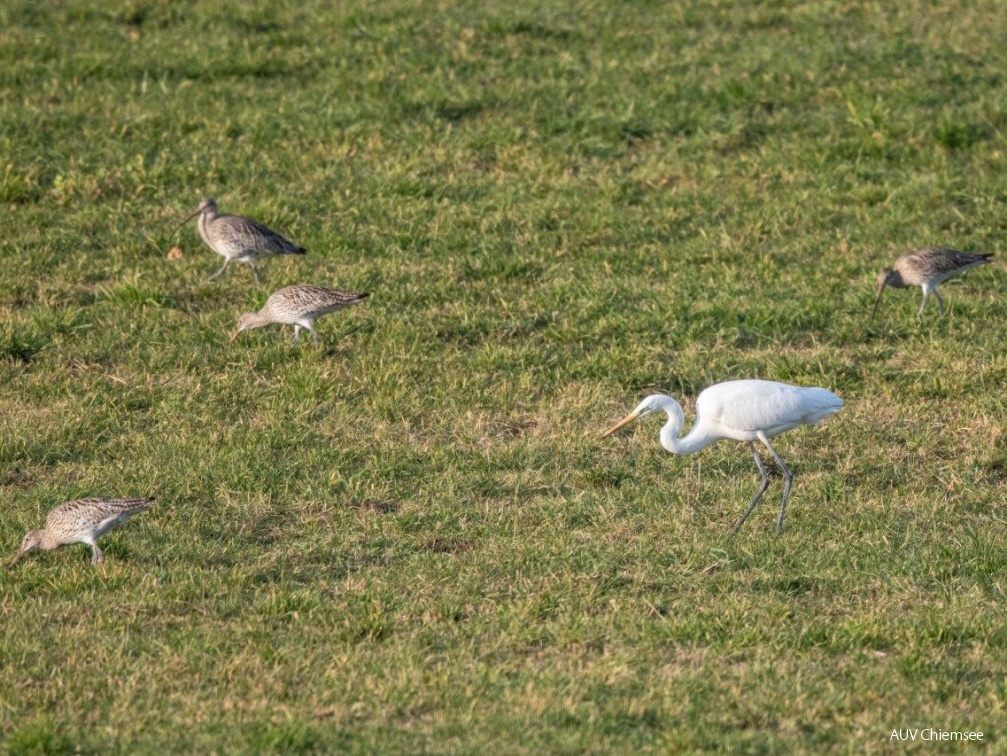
(749, 411)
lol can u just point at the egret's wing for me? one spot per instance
(753, 405)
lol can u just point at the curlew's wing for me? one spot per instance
(101, 514)
(120, 510)
(317, 300)
(246, 233)
(948, 261)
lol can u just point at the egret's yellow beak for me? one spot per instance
(621, 424)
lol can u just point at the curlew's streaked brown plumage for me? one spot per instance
(239, 239)
(927, 268)
(80, 521)
(298, 306)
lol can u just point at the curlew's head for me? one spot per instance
(208, 205)
(886, 277)
(32, 540)
(248, 320)
(889, 277)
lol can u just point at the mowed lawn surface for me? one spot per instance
(414, 540)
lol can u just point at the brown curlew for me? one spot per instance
(238, 239)
(927, 268)
(298, 306)
(80, 521)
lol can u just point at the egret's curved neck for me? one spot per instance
(698, 438)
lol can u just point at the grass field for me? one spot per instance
(414, 540)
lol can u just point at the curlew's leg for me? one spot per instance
(255, 271)
(762, 490)
(940, 302)
(788, 479)
(923, 303)
(297, 333)
(96, 556)
(314, 335)
(222, 268)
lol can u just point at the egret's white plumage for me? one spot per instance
(748, 411)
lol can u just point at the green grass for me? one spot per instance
(414, 540)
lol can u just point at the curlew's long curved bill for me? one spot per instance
(233, 337)
(877, 301)
(186, 220)
(621, 424)
(16, 559)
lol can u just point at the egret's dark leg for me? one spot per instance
(762, 490)
(788, 478)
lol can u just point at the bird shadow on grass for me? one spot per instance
(379, 506)
(338, 351)
(134, 294)
(447, 545)
(39, 736)
(264, 529)
(304, 344)
(17, 348)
